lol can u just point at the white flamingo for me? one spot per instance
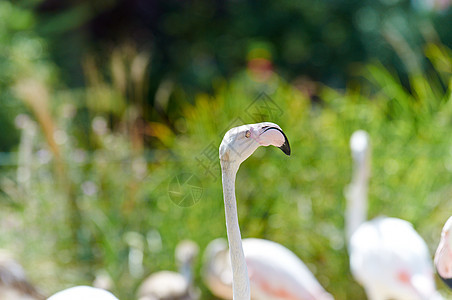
(274, 271)
(387, 256)
(237, 145)
(83, 292)
(173, 285)
(443, 255)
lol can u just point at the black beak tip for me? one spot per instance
(285, 148)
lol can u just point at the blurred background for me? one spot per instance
(107, 106)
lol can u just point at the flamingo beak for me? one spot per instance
(276, 137)
(447, 281)
(285, 147)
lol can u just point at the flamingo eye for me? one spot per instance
(247, 134)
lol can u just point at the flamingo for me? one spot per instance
(387, 256)
(172, 285)
(13, 282)
(83, 292)
(274, 271)
(237, 145)
(443, 255)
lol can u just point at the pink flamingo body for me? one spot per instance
(83, 292)
(275, 272)
(443, 255)
(387, 256)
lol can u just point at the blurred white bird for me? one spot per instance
(83, 293)
(166, 285)
(387, 256)
(443, 255)
(274, 271)
(13, 282)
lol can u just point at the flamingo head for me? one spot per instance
(240, 142)
(443, 256)
(186, 252)
(360, 148)
(359, 144)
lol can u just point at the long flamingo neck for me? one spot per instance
(186, 271)
(356, 212)
(240, 280)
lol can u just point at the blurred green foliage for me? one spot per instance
(195, 43)
(23, 54)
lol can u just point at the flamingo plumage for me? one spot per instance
(387, 256)
(173, 285)
(443, 255)
(83, 292)
(275, 272)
